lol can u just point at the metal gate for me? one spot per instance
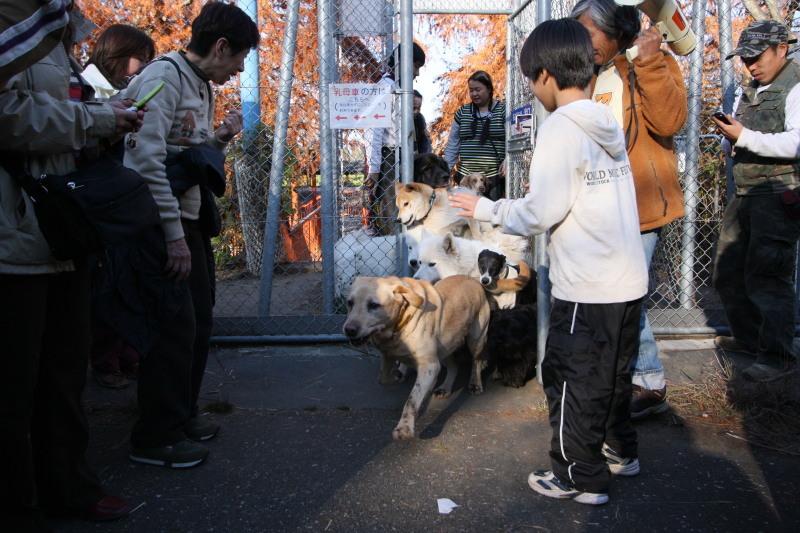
(296, 208)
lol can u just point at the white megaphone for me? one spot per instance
(668, 18)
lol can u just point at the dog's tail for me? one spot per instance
(518, 283)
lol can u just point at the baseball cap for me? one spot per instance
(759, 36)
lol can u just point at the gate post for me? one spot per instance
(278, 155)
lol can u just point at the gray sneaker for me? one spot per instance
(200, 429)
(732, 344)
(184, 454)
(547, 484)
(619, 465)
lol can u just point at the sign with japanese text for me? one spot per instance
(360, 105)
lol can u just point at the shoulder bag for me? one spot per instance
(89, 209)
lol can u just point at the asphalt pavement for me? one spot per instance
(308, 447)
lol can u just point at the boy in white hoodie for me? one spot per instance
(582, 192)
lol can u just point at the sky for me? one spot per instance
(439, 59)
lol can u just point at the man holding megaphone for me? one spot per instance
(646, 93)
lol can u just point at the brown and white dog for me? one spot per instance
(421, 204)
(477, 182)
(419, 324)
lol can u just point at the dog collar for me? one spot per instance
(430, 206)
(404, 318)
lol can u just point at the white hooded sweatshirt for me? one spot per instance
(581, 190)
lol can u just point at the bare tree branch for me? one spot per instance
(774, 10)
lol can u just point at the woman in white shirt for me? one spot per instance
(119, 54)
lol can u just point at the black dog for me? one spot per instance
(511, 344)
(431, 170)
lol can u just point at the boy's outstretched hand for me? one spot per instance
(465, 202)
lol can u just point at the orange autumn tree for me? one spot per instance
(168, 23)
(482, 40)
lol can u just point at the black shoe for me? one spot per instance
(184, 454)
(198, 429)
(646, 402)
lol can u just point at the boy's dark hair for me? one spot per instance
(417, 56)
(219, 20)
(563, 48)
(115, 46)
(417, 93)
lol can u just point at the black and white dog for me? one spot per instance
(511, 340)
(493, 268)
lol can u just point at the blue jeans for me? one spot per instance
(648, 371)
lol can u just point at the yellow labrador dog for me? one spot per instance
(420, 325)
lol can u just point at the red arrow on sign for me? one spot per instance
(380, 116)
(340, 118)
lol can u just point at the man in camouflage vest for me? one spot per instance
(757, 246)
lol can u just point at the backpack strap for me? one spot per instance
(181, 75)
(174, 64)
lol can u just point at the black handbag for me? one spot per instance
(91, 208)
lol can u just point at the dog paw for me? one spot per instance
(475, 389)
(402, 433)
(398, 376)
(441, 393)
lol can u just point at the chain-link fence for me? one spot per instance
(302, 218)
(681, 300)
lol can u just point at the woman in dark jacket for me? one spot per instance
(44, 316)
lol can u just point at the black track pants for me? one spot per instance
(587, 380)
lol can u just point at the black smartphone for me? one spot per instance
(722, 117)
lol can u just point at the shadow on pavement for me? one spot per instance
(308, 448)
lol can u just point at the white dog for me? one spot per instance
(448, 255)
(421, 206)
(414, 236)
(358, 254)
